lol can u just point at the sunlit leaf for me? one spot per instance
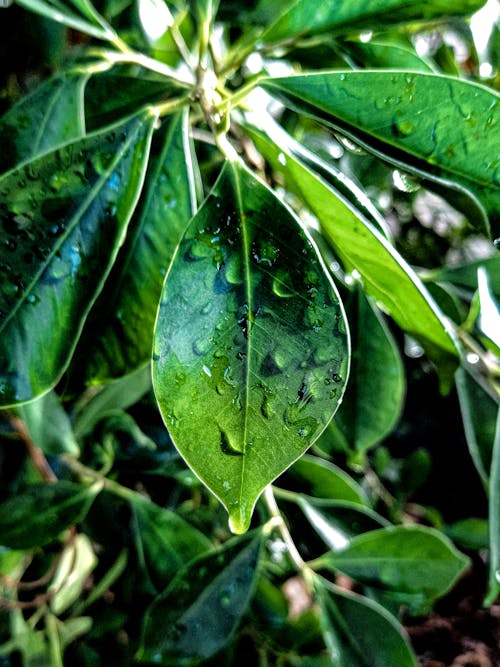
(64, 216)
(395, 115)
(50, 116)
(199, 611)
(251, 351)
(299, 17)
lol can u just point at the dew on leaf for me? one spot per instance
(229, 446)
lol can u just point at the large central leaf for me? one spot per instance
(251, 349)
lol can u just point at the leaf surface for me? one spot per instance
(250, 352)
(124, 315)
(361, 246)
(64, 216)
(51, 115)
(199, 611)
(359, 632)
(165, 541)
(410, 559)
(37, 515)
(395, 115)
(299, 17)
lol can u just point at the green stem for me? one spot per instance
(280, 525)
(152, 64)
(110, 485)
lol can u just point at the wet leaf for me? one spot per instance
(406, 559)
(199, 611)
(48, 117)
(300, 17)
(125, 312)
(322, 479)
(376, 371)
(165, 541)
(359, 632)
(250, 351)
(360, 246)
(39, 514)
(64, 216)
(395, 115)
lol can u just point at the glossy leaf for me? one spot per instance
(49, 425)
(494, 521)
(322, 479)
(395, 115)
(199, 611)
(375, 393)
(165, 541)
(479, 415)
(337, 522)
(125, 312)
(409, 559)
(39, 514)
(251, 351)
(300, 17)
(361, 247)
(359, 632)
(48, 117)
(64, 216)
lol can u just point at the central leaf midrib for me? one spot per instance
(64, 237)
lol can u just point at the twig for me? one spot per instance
(34, 452)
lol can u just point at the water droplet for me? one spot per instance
(180, 378)
(201, 346)
(155, 356)
(32, 299)
(229, 445)
(207, 371)
(336, 378)
(402, 127)
(281, 284)
(266, 408)
(225, 599)
(226, 485)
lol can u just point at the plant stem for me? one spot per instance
(109, 484)
(281, 526)
(34, 452)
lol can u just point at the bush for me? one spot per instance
(238, 222)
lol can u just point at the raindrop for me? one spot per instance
(207, 371)
(337, 378)
(32, 299)
(180, 378)
(156, 356)
(403, 127)
(228, 446)
(201, 346)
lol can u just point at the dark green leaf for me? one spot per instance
(64, 216)
(359, 632)
(322, 479)
(494, 521)
(50, 116)
(125, 312)
(165, 541)
(479, 416)
(395, 115)
(121, 91)
(469, 533)
(409, 559)
(385, 274)
(199, 611)
(251, 351)
(49, 425)
(39, 514)
(386, 54)
(300, 17)
(375, 393)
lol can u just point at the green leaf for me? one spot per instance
(64, 216)
(48, 117)
(322, 479)
(464, 276)
(361, 247)
(123, 90)
(165, 541)
(375, 393)
(39, 514)
(337, 522)
(469, 533)
(386, 54)
(359, 632)
(199, 611)
(300, 17)
(77, 562)
(395, 115)
(479, 415)
(251, 351)
(49, 425)
(494, 522)
(408, 559)
(57, 11)
(125, 312)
